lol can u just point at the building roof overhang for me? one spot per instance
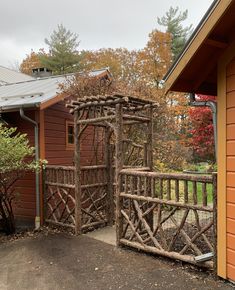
(39, 93)
(195, 70)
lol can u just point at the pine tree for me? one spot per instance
(63, 54)
(173, 23)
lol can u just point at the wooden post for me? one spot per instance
(214, 194)
(78, 211)
(109, 173)
(44, 179)
(145, 163)
(118, 166)
(150, 160)
(150, 139)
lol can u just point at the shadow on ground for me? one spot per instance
(60, 261)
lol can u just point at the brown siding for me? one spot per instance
(25, 203)
(56, 152)
(231, 170)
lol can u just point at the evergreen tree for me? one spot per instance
(173, 23)
(63, 54)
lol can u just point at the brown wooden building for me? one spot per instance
(37, 103)
(207, 66)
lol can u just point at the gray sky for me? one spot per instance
(99, 23)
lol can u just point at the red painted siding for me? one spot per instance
(56, 151)
(25, 203)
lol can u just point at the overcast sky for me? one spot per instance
(99, 23)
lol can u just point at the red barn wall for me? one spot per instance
(25, 206)
(56, 151)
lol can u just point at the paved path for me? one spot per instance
(59, 261)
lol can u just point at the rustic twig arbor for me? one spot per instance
(164, 213)
(113, 114)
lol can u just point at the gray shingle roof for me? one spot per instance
(33, 92)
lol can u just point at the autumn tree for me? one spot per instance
(138, 72)
(172, 21)
(63, 56)
(32, 61)
(202, 131)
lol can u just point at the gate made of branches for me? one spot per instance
(168, 214)
(173, 215)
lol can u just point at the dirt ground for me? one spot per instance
(56, 260)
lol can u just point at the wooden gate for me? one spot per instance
(173, 215)
(60, 202)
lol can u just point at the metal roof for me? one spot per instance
(9, 76)
(34, 92)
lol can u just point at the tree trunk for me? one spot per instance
(8, 220)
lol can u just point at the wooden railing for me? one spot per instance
(168, 214)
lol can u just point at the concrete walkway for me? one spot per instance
(59, 261)
(106, 235)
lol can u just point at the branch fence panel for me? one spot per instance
(168, 214)
(59, 196)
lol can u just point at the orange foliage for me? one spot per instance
(31, 61)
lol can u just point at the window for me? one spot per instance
(69, 134)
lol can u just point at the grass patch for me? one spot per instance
(199, 192)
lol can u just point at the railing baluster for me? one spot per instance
(177, 190)
(194, 192)
(204, 194)
(153, 187)
(125, 183)
(145, 186)
(161, 188)
(138, 185)
(185, 191)
(168, 190)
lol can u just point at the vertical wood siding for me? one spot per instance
(231, 170)
(25, 188)
(56, 152)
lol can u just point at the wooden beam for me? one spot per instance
(205, 71)
(216, 43)
(195, 45)
(96, 120)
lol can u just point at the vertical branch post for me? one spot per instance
(109, 169)
(150, 159)
(78, 211)
(150, 139)
(119, 165)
